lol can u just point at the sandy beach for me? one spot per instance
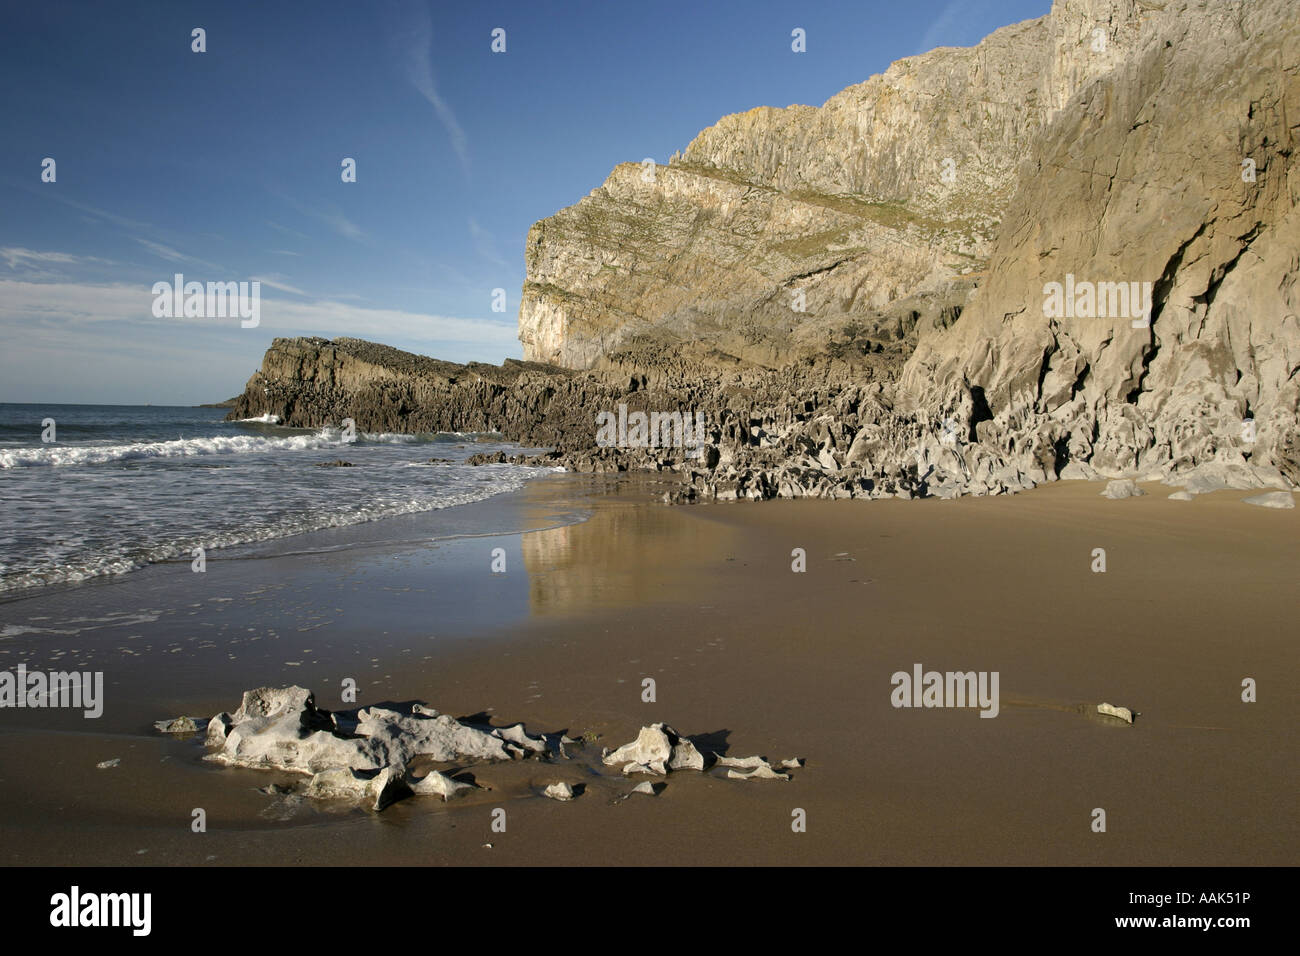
(606, 586)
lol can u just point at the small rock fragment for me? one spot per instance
(685, 756)
(744, 763)
(108, 764)
(1123, 713)
(559, 791)
(180, 725)
(1122, 488)
(344, 783)
(438, 784)
(1272, 499)
(764, 772)
(652, 789)
(651, 750)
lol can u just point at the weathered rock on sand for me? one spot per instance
(764, 772)
(181, 725)
(1122, 488)
(435, 783)
(659, 749)
(1272, 499)
(370, 755)
(365, 755)
(756, 768)
(1121, 713)
(924, 362)
(342, 783)
(559, 791)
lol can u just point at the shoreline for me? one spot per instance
(756, 657)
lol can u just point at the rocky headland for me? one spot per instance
(921, 287)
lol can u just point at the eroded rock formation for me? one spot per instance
(857, 317)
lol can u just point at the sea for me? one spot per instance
(88, 491)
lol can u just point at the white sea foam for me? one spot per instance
(56, 568)
(125, 488)
(97, 454)
(267, 419)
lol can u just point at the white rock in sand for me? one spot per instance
(765, 772)
(651, 751)
(559, 791)
(651, 789)
(438, 785)
(1123, 713)
(685, 756)
(516, 734)
(341, 783)
(1183, 495)
(758, 767)
(1272, 499)
(744, 763)
(1122, 488)
(180, 725)
(280, 728)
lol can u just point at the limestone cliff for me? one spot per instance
(776, 226)
(1111, 145)
(1112, 141)
(1177, 166)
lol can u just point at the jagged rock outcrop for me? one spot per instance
(892, 189)
(367, 755)
(1078, 153)
(1145, 175)
(311, 382)
(1127, 144)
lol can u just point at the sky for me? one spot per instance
(226, 165)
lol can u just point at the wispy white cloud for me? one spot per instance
(114, 218)
(15, 256)
(275, 282)
(163, 252)
(66, 307)
(289, 232)
(962, 23)
(325, 212)
(418, 58)
(34, 265)
(175, 255)
(484, 243)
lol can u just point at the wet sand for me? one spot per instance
(1197, 596)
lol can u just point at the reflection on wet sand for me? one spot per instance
(630, 551)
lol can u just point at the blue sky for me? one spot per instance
(225, 165)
